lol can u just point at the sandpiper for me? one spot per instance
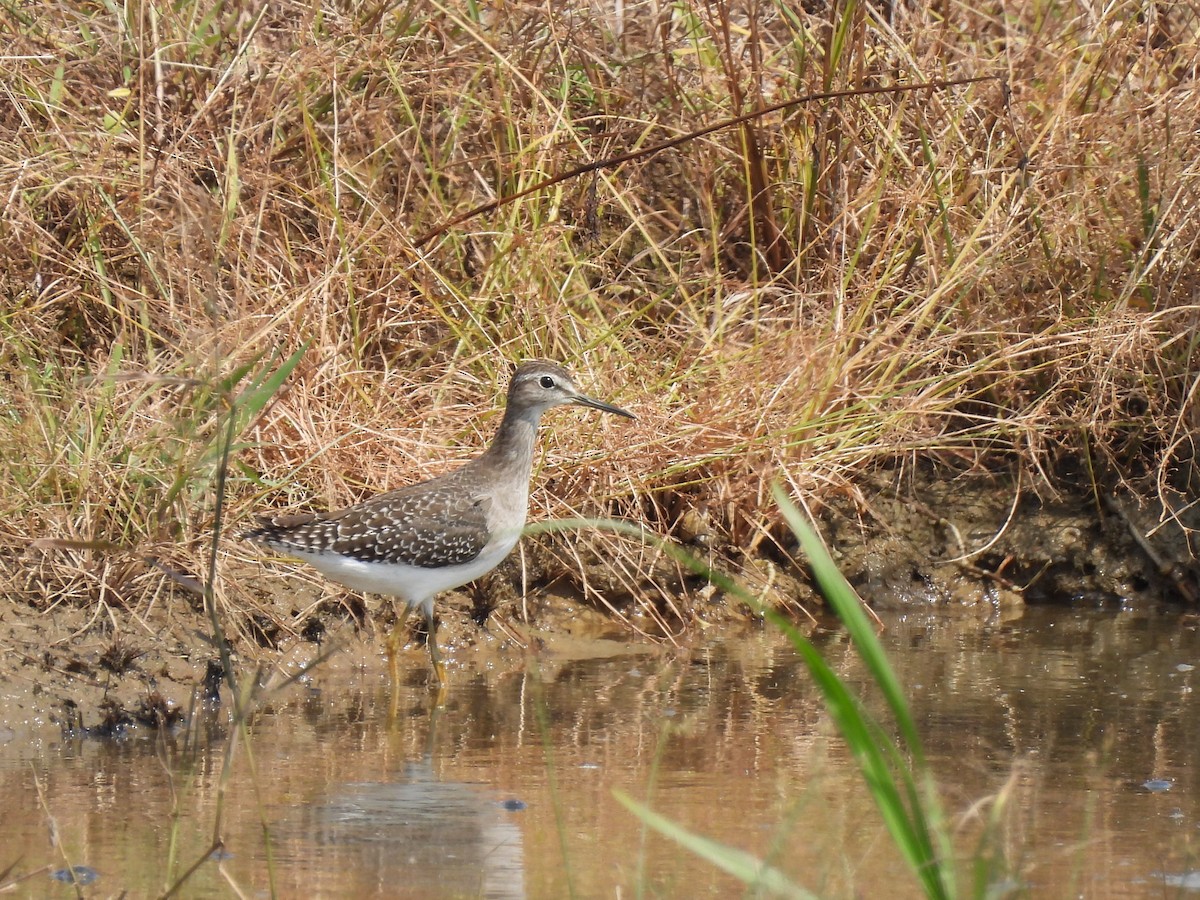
(425, 538)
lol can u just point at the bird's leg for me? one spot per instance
(439, 670)
(393, 645)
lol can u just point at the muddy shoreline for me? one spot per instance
(968, 545)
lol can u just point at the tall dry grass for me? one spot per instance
(1003, 273)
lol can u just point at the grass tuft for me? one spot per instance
(997, 274)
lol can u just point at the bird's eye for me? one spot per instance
(546, 381)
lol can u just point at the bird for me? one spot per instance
(415, 542)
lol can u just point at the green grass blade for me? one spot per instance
(745, 867)
(849, 609)
(890, 771)
(256, 396)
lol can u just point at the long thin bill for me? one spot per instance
(603, 407)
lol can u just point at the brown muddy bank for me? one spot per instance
(983, 546)
(971, 542)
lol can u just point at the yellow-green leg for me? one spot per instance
(394, 642)
(439, 670)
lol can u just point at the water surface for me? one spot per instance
(1084, 721)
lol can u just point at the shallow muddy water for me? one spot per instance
(1086, 719)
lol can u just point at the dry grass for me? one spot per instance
(1004, 273)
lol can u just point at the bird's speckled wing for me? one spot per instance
(426, 525)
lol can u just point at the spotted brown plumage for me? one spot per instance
(425, 538)
(437, 523)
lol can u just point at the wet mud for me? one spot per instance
(978, 546)
(967, 542)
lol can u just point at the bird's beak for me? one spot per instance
(583, 400)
